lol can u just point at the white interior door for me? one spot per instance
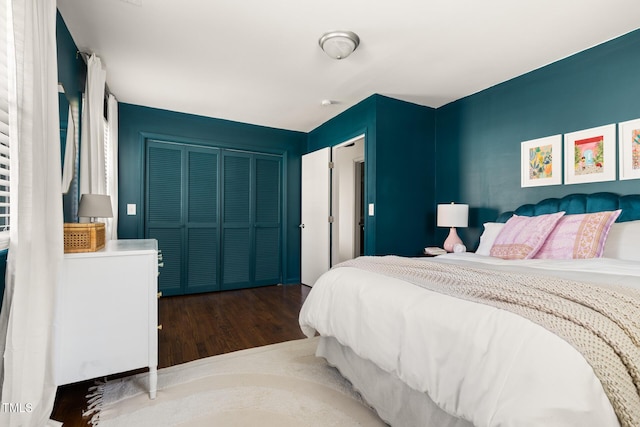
(315, 228)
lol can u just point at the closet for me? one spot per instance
(217, 216)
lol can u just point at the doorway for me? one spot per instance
(332, 212)
(347, 200)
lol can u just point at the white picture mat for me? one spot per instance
(608, 173)
(556, 172)
(625, 135)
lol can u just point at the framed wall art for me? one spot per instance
(590, 155)
(629, 149)
(541, 161)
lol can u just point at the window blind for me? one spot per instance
(4, 118)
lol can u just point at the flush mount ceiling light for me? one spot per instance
(339, 44)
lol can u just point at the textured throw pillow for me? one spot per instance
(522, 236)
(578, 236)
(623, 241)
(491, 231)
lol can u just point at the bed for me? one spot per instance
(466, 356)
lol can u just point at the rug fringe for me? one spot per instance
(95, 402)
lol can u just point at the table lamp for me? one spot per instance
(95, 206)
(453, 215)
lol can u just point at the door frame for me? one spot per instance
(360, 202)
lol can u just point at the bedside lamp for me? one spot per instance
(95, 206)
(453, 215)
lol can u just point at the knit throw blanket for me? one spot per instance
(600, 321)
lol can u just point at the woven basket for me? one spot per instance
(83, 237)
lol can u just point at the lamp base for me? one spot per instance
(452, 240)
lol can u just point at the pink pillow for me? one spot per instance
(579, 236)
(522, 236)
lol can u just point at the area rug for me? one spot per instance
(277, 385)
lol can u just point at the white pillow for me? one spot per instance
(491, 231)
(623, 241)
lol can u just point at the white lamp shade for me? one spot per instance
(453, 215)
(339, 44)
(95, 206)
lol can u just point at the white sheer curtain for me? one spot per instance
(36, 242)
(69, 169)
(112, 166)
(92, 158)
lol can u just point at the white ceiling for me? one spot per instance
(258, 61)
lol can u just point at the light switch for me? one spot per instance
(370, 209)
(131, 208)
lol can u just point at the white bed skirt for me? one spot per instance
(396, 403)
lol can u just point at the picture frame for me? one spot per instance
(541, 161)
(590, 155)
(629, 149)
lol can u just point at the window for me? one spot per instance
(4, 165)
(4, 126)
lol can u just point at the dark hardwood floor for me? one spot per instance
(197, 326)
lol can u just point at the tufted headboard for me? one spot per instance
(582, 203)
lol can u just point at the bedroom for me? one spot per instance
(559, 98)
(556, 99)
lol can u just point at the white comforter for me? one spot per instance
(479, 363)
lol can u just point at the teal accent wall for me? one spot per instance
(72, 74)
(399, 170)
(64, 122)
(137, 124)
(72, 71)
(478, 137)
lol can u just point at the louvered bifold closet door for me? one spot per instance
(237, 209)
(217, 216)
(164, 218)
(268, 220)
(202, 220)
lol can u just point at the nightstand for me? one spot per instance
(106, 317)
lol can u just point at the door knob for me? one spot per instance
(301, 226)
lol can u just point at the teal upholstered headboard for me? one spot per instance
(582, 203)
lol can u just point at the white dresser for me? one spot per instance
(106, 315)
